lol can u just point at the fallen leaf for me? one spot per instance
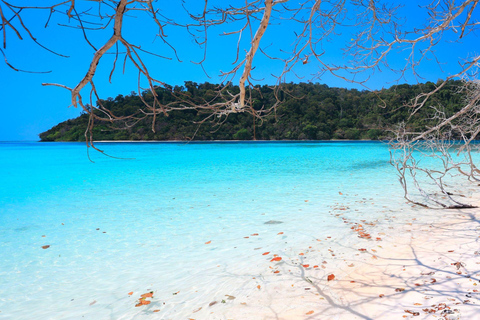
(93, 302)
(212, 303)
(310, 312)
(280, 233)
(276, 259)
(147, 295)
(130, 293)
(306, 265)
(300, 254)
(196, 310)
(399, 289)
(276, 271)
(330, 277)
(363, 250)
(156, 310)
(340, 193)
(264, 254)
(208, 242)
(142, 303)
(255, 234)
(46, 247)
(258, 287)
(315, 266)
(412, 312)
(381, 295)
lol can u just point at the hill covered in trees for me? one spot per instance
(308, 112)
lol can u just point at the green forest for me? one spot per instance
(307, 111)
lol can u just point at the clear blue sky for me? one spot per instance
(28, 108)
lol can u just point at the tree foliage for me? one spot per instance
(309, 112)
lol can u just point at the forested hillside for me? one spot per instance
(308, 111)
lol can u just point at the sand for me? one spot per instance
(424, 265)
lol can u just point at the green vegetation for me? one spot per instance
(307, 112)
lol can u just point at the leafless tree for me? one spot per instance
(377, 31)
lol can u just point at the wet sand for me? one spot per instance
(424, 265)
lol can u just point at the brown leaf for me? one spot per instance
(142, 303)
(46, 247)
(280, 233)
(399, 289)
(130, 293)
(212, 303)
(264, 254)
(412, 312)
(330, 277)
(310, 312)
(258, 287)
(147, 295)
(208, 242)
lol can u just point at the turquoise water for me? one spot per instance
(141, 225)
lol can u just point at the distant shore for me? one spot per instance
(224, 141)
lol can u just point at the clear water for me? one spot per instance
(141, 225)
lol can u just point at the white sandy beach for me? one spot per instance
(425, 265)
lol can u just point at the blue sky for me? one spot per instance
(30, 108)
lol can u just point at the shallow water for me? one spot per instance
(141, 225)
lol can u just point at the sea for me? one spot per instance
(196, 228)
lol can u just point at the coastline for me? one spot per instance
(351, 224)
(426, 266)
(428, 269)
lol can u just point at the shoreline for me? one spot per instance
(211, 141)
(428, 268)
(424, 264)
(431, 269)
